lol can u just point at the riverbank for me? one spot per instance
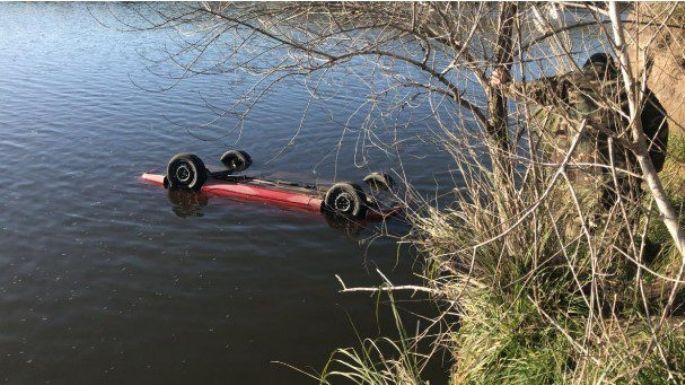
(534, 307)
(524, 317)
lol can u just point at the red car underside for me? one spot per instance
(287, 196)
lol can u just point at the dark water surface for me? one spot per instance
(102, 283)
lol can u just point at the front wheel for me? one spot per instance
(186, 171)
(346, 199)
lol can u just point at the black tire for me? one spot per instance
(346, 199)
(379, 181)
(186, 171)
(236, 160)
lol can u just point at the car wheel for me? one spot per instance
(346, 199)
(236, 160)
(379, 181)
(186, 171)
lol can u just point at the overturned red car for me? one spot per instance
(187, 171)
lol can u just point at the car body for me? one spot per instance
(342, 197)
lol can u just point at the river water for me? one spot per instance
(103, 280)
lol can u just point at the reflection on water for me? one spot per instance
(347, 226)
(186, 203)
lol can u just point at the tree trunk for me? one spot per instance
(497, 129)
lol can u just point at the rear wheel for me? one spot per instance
(236, 160)
(186, 171)
(379, 181)
(346, 199)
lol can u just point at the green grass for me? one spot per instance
(382, 361)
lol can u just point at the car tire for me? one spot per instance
(186, 171)
(236, 160)
(379, 181)
(346, 199)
